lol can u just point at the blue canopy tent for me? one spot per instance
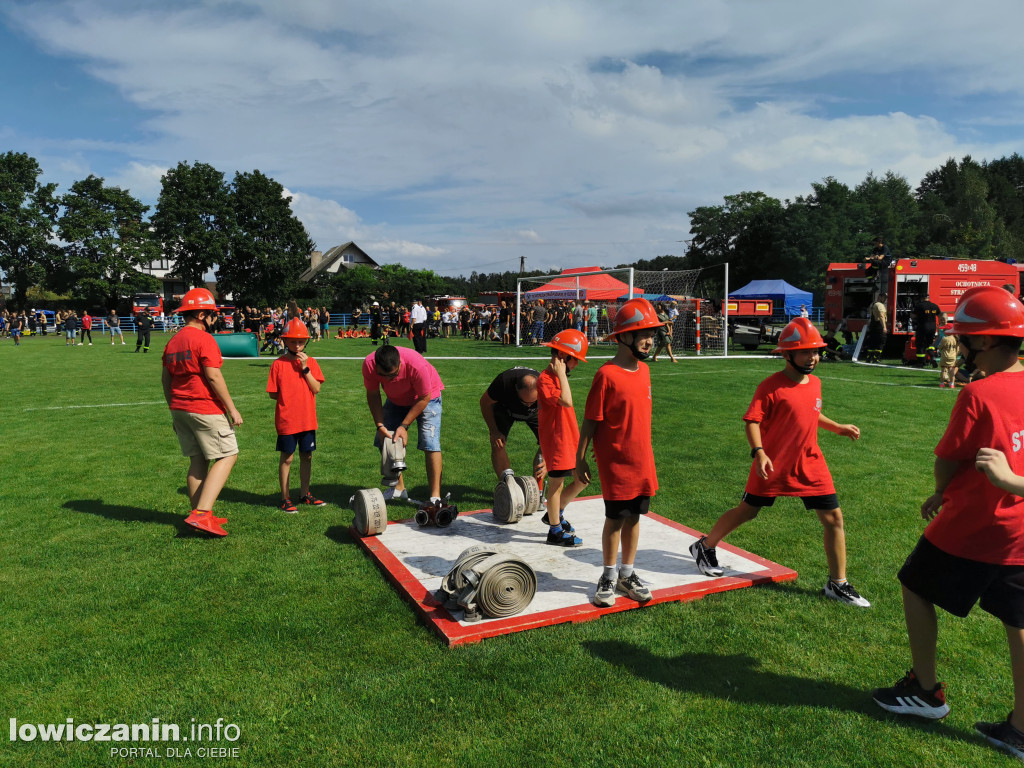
(783, 295)
(651, 297)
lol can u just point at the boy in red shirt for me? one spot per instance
(617, 419)
(782, 429)
(294, 382)
(973, 548)
(558, 433)
(204, 415)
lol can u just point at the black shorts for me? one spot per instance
(818, 503)
(504, 420)
(556, 473)
(617, 509)
(955, 584)
(304, 441)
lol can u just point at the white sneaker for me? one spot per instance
(391, 494)
(845, 593)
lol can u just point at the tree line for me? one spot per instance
(89, 244)
(961, 210)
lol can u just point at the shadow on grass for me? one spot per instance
(738, 678)
(133, 514)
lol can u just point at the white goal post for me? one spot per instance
(696, 301)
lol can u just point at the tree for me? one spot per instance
(354, 287)
(401, 284)
(192, 220)
(269, 247)
(106, 239)
(28, 212)
(747, 232)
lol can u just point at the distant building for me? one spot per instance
(173, 287)
(346, 256)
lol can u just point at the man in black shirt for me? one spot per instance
(511, 397)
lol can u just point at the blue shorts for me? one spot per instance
(428, 424)
(304, 441)
(538, 329)
(115, 329)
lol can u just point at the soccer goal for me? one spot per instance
(588, 298)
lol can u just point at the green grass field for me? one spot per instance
(113, 612)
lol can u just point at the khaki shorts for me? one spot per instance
(209, 435)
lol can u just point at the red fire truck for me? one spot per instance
(850, 289)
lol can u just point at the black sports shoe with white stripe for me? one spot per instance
(907, 697)
(706, 558)
(1003, 736)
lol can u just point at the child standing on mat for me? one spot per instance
(782, 429)
(204, 415)
(559, 435)
(617, 419)
(973, 550)
(294, 382)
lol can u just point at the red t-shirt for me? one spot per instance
(87, 322)
(188, 352)
(295, 411)
(620, 402)
(559, 433)
(979, 521)
(788, 414)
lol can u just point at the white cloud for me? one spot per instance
(142, 180)
(565, 131)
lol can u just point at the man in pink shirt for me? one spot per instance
(413, 390)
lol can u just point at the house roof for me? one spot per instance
(334, 256)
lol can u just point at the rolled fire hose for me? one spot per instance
(371, 512)
(490, 582)
(392, 460)
(509, 503)
(531, 494)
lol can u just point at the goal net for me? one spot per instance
(588, 299)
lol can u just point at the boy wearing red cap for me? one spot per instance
(204, 415)
(617, 419)
(782, 429)
(558, 433)
(293, 383)
(972, 551)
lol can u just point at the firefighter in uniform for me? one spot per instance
(874, 342)
(925, 314)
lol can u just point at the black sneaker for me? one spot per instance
(562, 538)
(706, 558)
(907, 697)
(1003, 736)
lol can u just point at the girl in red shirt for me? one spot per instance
(782, 429)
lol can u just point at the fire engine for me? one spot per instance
(151, 303)
(850, 289)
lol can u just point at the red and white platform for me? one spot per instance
(415, 559)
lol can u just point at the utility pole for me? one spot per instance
(522, 264)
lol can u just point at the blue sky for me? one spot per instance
(458, 135)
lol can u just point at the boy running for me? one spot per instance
(294, 382)
(972, 551)
(617, 419)
(782, 429)
(204, 415)
(558, 433)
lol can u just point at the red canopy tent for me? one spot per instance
(570, 285)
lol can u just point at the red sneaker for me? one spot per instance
(309, 498)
